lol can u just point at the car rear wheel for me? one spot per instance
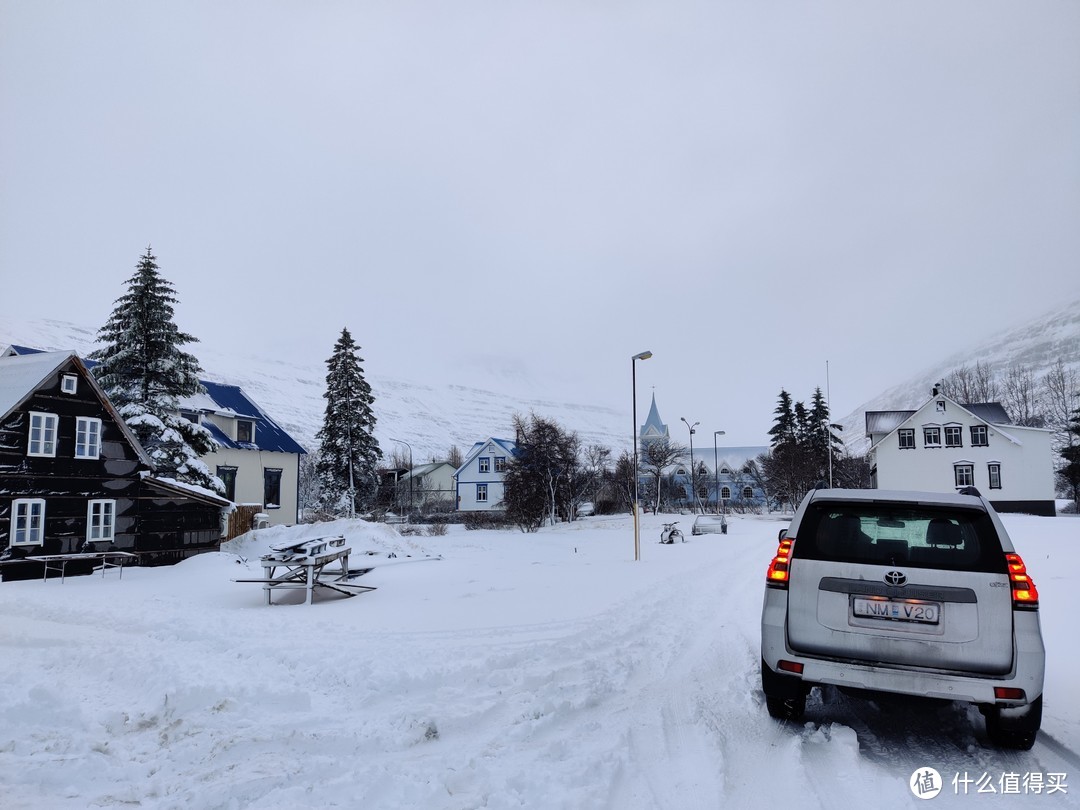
(785, 697)
(1014, 728)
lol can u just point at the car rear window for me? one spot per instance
(900, 534)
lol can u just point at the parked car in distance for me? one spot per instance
(909, 593)
(709, 524)
(585, 509)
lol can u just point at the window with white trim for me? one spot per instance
(245, 430)
(907, 438)
(725, 493)
(27, 521)
(87, 437)
(995, 475)
(954, 436)
(100, 520)
(964, 475)
(42, 434)
(485, 464)
(69, 384)
(481, 493)
(931, 437)
(748, 492)
(500, 464)
(979, 436)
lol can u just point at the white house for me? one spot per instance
(479, 479)
(258, 462)
(427, 485)
(944, 446)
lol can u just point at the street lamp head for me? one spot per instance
(719, 433)
(643, 356)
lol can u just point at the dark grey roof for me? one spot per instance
(992, 412)
(885, 421)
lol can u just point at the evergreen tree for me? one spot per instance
(1069, 474)
(783, 431)
(145, 372)
(348, 453)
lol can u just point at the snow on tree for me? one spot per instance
(348, 452)
(144, 371)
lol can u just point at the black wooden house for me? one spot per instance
(73, 477)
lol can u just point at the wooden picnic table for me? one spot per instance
(303, 565)
(58, 562)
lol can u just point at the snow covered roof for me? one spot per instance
(220, 398)
(509, 446)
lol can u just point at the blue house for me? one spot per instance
(479, 479)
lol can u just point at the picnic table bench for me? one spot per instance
(303, 565)
(58, 562)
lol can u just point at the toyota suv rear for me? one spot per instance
(912, 593)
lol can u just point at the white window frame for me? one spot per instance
(48, 424)
(483, 464)
(500, 464)
(747, 493)
(69, 384)
(926, 441)
(22, 512)
(964, 466)
(90, 446)
(101, 520)
(481, 493)
(725, 493)
(957, 432)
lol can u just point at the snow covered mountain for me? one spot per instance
(431, 418)
(1036, 345)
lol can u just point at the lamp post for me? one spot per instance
(637, 523)
(399, 441)
(693, 472)
(716, 468)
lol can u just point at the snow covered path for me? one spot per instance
(546, 671)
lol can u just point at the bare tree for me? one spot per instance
(454, 456)
(656, 456)
(971, 385)
(1020, 396)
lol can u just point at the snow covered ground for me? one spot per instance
(541, 671)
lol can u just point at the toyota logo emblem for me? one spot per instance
(895, 578)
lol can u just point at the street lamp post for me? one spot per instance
(716, 468)
(637, 523)
(399, 441)
(693, 472)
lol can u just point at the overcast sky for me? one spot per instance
(539, 190)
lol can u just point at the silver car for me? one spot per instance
(912, 593)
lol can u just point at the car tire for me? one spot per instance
(1014, 728)
(785, 697)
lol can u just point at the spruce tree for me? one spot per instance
(145, 372)
(348, 452)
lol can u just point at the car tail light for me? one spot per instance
(789, 666)
(1025, 595)
(1009, 693)
(777, 576)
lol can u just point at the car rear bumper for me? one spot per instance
(1029, 662)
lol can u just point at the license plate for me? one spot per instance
(902, 610)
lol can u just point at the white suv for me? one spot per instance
(913, 593)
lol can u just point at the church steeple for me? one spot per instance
(653, 429)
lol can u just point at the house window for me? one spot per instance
(228, 478)
(42, 434)
(931, 436)
(245, 430)
(748, 492)
(725, 493)
(954, 436)
(995, 475)
(907, 438)
(500, 464)
(87, 437)
(481, 493)
(485, 464)
(191, 416)
(964, 474)
(100, 520)
(69, 384)
(725, 471)
(272, 488)
(703, 493)
(27, 522)
(978, 436)
(941, 406)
